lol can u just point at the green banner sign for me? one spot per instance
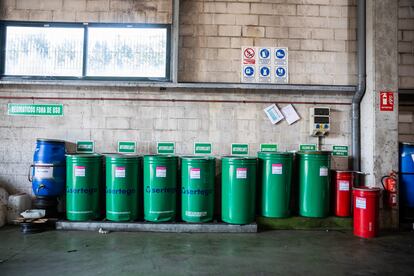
(203, 148)
(307, 147)
(85, 146)
(165, 148)
(34, 109)
(268, 147)
(340, 150)
(239, 149)
(127, 147)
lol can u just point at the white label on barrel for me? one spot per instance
(343, 185)
(361, 203)
(323, 171)
(43, 172)
(241, 173)
(195, 214)
(277, 168)
(120, 172)
(194, 173)
(412, 157)
(160, 171)
(80, 170)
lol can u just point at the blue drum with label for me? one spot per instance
(48, 172)
(407, 175)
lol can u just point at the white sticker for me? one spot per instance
(194, 173)
(343, 185)
(43, 172)
(277, 168)
(323, 171)
(361, 203)
(412, 156)
(120, 172)
(241, 173)
(195, 214)
(80, 170)
(161, 172)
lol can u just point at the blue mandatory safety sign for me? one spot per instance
(264, 53)
(280, 72)
(264, 71)
(280, 54)
(248, 71)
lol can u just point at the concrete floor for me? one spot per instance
(272, 252)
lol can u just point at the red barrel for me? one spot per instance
(366, 210)
(344, 181)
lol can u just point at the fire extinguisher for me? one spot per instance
(389, 183)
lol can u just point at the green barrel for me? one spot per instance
(197, 185)
(238, 189)
(122, 187)
(275, 171)
(83, 186)
(314, 190)
(160, 187)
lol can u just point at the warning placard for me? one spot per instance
(264, 65)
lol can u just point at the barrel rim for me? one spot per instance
(235, 157)
(366, 189)
(407, 143)
(197, 157)
(316, 152)
(87, 155)
(286, 153)
(169, 156)
(49, 140)
(121, 155)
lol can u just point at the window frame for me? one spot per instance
(3, 33)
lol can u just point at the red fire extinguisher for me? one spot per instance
(389, 183)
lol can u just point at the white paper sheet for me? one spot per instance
(290, 114)
(273, 113)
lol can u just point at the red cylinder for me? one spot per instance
(344, 181)
(366, 209)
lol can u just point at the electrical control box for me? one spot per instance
(320, 121)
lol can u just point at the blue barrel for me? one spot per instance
(407, 175)
(48, 172)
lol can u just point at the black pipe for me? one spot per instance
(361, 86)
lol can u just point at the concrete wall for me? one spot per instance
(320, 35)
(406, 43)
(212, 33)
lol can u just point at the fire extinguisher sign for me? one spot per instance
(386, 101)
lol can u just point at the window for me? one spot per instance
(86, 51)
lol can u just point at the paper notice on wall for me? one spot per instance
(273, 113)
(290, 114)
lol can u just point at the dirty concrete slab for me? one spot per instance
(272, 252)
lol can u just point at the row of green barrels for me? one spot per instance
(125, 195)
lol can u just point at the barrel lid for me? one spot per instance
(317, 152)
(345, 171)
(121, 155)
(366, 189)
(160, 156)
(86, 155)
(271, 153)
(198, 157)
(235, 157)
(49, 140)
(407, 143)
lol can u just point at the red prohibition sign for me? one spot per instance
(249, 53)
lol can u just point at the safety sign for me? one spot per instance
(264, 65)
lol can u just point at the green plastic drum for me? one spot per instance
(197, 178)
(314, 190)
(83, 186)
(160, 187)
(275, 171)
(238, 189)
(122, 187)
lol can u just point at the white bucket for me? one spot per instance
(17, 204)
